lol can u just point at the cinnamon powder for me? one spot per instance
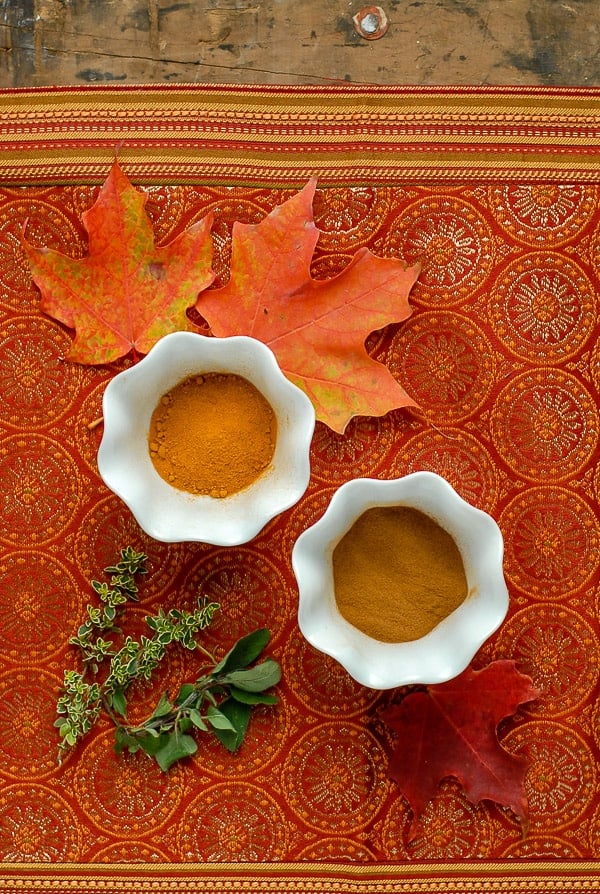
(212, 434)
(397, 574)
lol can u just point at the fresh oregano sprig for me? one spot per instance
(219, 701)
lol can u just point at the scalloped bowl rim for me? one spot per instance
(446, 650)
(171, 515)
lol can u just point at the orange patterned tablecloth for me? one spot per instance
(501, 353)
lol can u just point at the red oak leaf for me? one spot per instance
(315, 328)
(450, 730)
(126, 293)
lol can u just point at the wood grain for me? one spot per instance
(519, 42)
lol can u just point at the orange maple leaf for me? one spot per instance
(126, 293)
(315, 328)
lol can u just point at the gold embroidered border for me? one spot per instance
(512, 877)
(281, 136)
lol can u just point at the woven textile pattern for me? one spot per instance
(501, 354)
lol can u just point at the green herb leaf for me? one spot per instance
(217, 719)
(238, 715)
(252, 698)
(184, 724)
(124, 740)
(185, 691)
(244, 652)
(173, 747)
(167, 748)
(197, 720)
(119, 702)
(256, 679)
(165, 706)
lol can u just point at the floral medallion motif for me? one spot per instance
(561, 777)
(335, 777)
(262, 745)
(543, 214)
(551, 542)
(107, 528)
(38, 387)
(304, 514)
(594, 832)
(165, 207)
(595, 250)
(128, 852)
(347, 217)
(28, 739)
(542, 847)
(595, 366)
(39, 600)
(445, 362)
(125, 792)
(451, 239)
(545, 425)
(41, 490)
(557, 648)
(460, 458)
(87, 429)
(250, 589)
(227, 209)
(320, 683)
(37, 826)
(46, 225)
(233, 823)
(327, 266)
(543, 307)
(334, 849)
(596, 723)
(450, 828)
(358, 453)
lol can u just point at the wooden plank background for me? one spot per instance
(517, 42)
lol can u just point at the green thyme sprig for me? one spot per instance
(219, 701)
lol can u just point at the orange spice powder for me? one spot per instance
(397, 574)
(212, 434)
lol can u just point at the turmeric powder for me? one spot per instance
(212, 434)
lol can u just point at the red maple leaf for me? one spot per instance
(450, 730)
(126, 293)
(315, 328)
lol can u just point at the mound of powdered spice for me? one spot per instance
(397, 574)
(212, 434)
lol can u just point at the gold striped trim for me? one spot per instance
(507, 877)
(368, 98)
(253, 169)
(258, 135)
(473, 136)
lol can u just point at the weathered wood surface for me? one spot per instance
(518, 42)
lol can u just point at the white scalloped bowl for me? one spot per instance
(172, 515)
(446, 650)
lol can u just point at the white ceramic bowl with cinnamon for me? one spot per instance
(445, 650)
(173, 513)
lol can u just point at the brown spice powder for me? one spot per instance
(397, 574)
(212, 434)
